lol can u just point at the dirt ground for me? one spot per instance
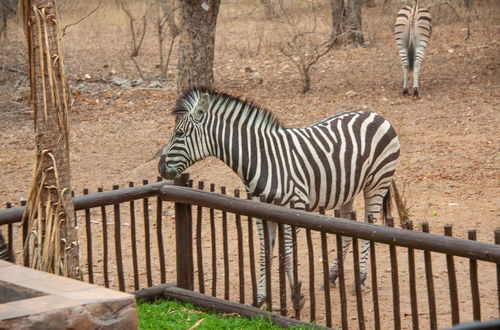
(449, 169)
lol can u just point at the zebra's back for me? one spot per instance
(333, 160)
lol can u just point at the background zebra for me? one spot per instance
(325, 164)
(412, 30)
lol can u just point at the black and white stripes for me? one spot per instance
(325, 164)
(412, 30)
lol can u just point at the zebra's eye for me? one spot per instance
(179, 133)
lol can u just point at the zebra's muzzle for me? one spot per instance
(165, 171)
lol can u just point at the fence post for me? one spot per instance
(184, 240)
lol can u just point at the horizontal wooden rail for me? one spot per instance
(170, 291)
(400, 237)
(15, 214)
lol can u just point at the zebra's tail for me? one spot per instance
(411, 55)
(386, 205)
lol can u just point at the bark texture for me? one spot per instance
(51, 243)
(196, 48)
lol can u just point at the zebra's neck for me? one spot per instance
(238, 132)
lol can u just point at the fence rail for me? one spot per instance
(215, 252)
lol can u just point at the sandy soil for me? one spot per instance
(449, 167)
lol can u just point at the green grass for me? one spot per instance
(164, 314)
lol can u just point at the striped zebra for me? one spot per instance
(412, 30)
(4, 250)
(325, 164)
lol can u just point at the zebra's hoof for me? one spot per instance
(404, 92)
(259, 303)
(298, 301)
(416, 94)
(353, 289)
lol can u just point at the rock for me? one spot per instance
(155, 84)
(351, 94)
(121, 82)
(137, 82)
(451, 50)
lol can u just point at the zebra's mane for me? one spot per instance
(187, 101)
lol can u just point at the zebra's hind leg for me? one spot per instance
(406, 69)
(345, 210)
(416, 72)
(261, 288)
(374, 198)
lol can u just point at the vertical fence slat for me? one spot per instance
(373, 268)
(312, 294)
(118, 245)
(105, 249)
(281, 264)
(184, 240)
(474, 284)
(88, 232)
(295, 262)
(412, 282)
(431, 296)
(159, 236)
(10, 236)
(395, 280)
(251, 255)
(26, 255)
(326, 279)
(214, 247)
(133, 240)
(452, 281)
(199, 246)
(497, 241)
(357, 279)
(341, 277)
(241, 268)
(225, 249)
(267, 252)
(282, 280)
(147, 238)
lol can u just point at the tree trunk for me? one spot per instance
(370, 3)
(52, 241)
(354, 26)
(338, 21)
(196, 48)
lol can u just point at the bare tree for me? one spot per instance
(354, 24)
(346, 22)
(52, 242)
(165, 17)
(8, 8)
(196, 48)
(137, 30)
(338, 22)
(302, 46)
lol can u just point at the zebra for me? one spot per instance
(412, 31)
(5, 254)
(325, 164)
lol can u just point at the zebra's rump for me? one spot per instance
(413, 28)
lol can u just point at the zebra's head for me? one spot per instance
(187, 144)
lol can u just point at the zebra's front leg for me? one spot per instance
(261, 288)
(295, 284)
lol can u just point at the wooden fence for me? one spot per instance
(204, 241)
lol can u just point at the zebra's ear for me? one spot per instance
(201, 106)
